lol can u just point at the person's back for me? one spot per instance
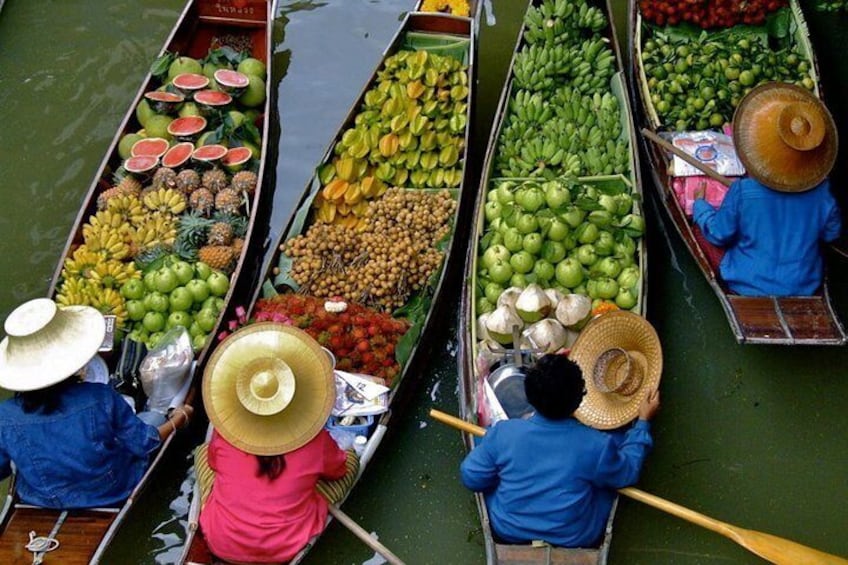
(90, 451)
(554, 477)
(772, 238)
(248, 515)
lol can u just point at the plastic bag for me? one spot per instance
(165, 369)
(713, 149)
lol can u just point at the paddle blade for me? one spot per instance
(782, 551)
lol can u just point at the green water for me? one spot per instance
(750, 435)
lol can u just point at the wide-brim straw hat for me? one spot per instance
(268, 388)
(785, 136)
(45, 343)
(620, 355)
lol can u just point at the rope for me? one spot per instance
(39, 545)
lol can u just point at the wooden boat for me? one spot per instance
(84, 535)
(435, 34)
(478, 358)
(794, 320)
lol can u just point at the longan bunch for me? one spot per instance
(392, 256)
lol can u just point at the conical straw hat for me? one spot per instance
(621, 358)
(268, 388)
(785, 137)
(45, 344)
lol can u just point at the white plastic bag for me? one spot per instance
(165, 369)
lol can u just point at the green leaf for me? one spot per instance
(777, 23)
(159, 68)
(284, 278)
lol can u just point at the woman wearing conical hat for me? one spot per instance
(268, 390)
(772, 222)
(74, 444)
(552, 477)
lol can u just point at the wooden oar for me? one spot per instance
(775, 549)
(360, 532)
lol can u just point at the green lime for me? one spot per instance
(746, 78)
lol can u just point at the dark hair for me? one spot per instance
(271, 466)
(45, 400)
(555, 387)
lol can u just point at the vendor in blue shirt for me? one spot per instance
(772, 223)
(74, 444)
(551, 477)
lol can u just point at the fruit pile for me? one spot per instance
(176, 293)
(575, 238)
(453, 7)
(391, 255)
(409, 132)
(709, 14)
(697, 83)
(562, 118)
(362, 340)
(174, 196)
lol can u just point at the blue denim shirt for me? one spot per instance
(90, 452)
(772, 238)
(553, 480)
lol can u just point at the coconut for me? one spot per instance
(574, 310)
(554, 296)
(501, 322)
(509, 296)
(547, 335)
(482, 332)
(532, 304)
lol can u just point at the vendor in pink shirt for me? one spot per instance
(268, 390)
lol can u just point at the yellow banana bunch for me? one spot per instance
(110, 241)
(81, 261)
(112, 274)
(110, 301)
(74, 291)
(127, 206)
(165, 200)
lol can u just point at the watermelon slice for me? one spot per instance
(164, 102)
(152, 146)
(178, 155)
(142, 164)
(212, 100)
(236, 158)
(231, 82)
(187, 128)
(209, 153)
(189, 83)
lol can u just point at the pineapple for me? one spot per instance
(215, 180)
(221, 257)
(191, 235)
(227, 201)
(130, 185)
(104, 197)
(202, 201)
(188, 181)
(238, 245)
(245, 181)
(164, 178)
(221, 233)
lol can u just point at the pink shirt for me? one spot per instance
(249, 518)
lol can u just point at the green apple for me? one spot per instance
(183, 270)
(203, 270)
(133, 289)
(153, 339)
(532, 243)
(199, 290)
(157, 302)
(569, 272)
(219, 283)
(199, 341)
(165, 280)
(180, 299)
(179, 318)
(206, 319)
(194, 329)
(149, 280)
(495, 253)
(521, 262)
(135, 310)
(214, 303)
(153, 321)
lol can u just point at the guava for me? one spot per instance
(252, 66)
(157, 126)
(143, 112)
(126, 143)
(189, 109)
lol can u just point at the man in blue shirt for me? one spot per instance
(772, 224)
(550, 477)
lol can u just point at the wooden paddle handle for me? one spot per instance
(686, 157)
(457, 423)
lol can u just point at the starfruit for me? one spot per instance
(374, 135)
(367, 117)
(385, 172)
(351, 137)
(427, 141)
(448, 156)
(420, 57)
(403, 76)
(405, 138)
(418, 178)
(389, 144)
(436, 178)
(459, 92)
(414, 89)
(327, 212)
(335, 189)
(360, 208)
(443, 95)
(416, 71)
(374, 98)
(441, 124)
(361, 167)
(413, 110)
(431, 77)
(429, 160)
(399, 122)
(398, 92)
(430, 108)
(384, 86)
(453, 178)
(346, 168)
(457, 123)
(390, 107)
(353, 194)
(370, 187)
(400, 178)
(412, 159)
(359, 150)
(343, 209)
(326, 173)
(418, 124)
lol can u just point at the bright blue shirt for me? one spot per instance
(771, 238)
(553, 480)
(90, 452)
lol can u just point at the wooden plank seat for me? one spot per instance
(790, 320)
